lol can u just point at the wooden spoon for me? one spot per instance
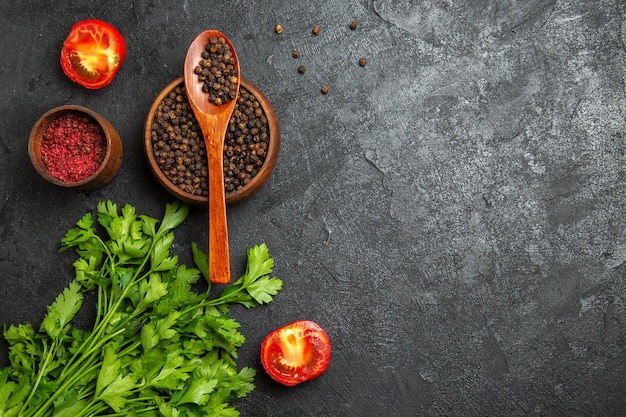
(213, 120)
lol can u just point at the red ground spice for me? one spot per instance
(73, 147)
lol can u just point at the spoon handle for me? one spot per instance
(219, 256)
(213, 120)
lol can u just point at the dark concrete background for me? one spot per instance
(452, 213)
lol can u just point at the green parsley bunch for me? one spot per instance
(157, 347)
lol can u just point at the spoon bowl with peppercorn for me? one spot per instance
(212, 79)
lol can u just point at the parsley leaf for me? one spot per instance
(62, 310)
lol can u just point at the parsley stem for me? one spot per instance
(101, 294)
(88, 362)
(129, 348)
(92, 409)
(42, 371)
(85, 354)
(147, 408)
(98, 338)
(100, 328)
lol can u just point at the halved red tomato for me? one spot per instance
(93, 53)
(296, 352)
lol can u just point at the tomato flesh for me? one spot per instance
(93, 53)
(296, 352)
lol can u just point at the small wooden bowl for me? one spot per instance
(109, 166)
(231, 197)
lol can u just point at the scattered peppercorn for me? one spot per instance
(179, 149)
(301, 69)
(362, 62)
(217, 71)
(352, 25)
(316, 30)
(295, 53)
(325, 89)
(73, 147)
(278, 29)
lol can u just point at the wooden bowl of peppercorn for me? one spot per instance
(75, 147)
(176, 153)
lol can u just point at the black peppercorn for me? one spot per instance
(182, 155)
(218, 72)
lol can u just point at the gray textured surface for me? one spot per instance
(452, 213)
